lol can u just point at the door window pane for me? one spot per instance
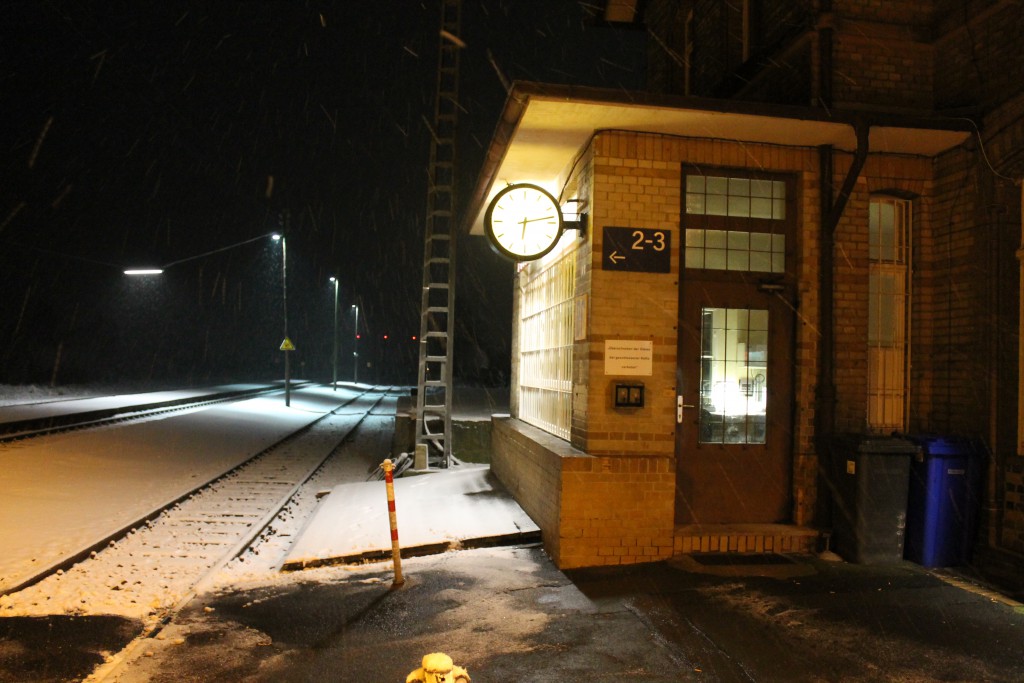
(734, 371)
(742, 197)
(759, 252)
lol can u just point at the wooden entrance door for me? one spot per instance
(733, 443)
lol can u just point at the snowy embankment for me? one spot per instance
(66, 492)
(23, 394)
(17, 394)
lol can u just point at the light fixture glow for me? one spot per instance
(144, 271)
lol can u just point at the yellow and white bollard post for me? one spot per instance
(396, 552)
(438, 668)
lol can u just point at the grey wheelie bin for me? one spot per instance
(869, 476)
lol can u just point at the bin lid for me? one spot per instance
(878, 444)
(945, 445)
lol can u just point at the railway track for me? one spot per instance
(158, 566)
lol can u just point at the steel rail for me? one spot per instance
(87, 552)
(243, 542)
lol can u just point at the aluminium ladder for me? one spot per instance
(434, 387)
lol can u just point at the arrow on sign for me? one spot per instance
(615, 257)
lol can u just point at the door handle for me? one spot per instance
(679, 408)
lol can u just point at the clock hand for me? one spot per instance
(534, 220)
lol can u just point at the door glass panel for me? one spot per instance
(738, 197)
(734, 371)
(735, 250)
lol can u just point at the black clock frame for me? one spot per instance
(489, 228)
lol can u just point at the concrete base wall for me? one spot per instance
(591, 510)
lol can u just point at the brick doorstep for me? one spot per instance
(744, 538)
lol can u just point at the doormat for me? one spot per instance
(726, 559)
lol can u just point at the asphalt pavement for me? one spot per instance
(508, 614)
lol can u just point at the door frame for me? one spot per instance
(763, 290)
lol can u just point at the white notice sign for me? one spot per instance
(629, 358)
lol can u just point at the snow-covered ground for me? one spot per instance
(62, 493)
(17, 394)
(73, 488)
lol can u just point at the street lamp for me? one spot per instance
(286, 345)
(157, 271)
(334, 355)
(355, 348)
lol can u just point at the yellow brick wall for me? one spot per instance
(592, 511)
(643, 190)
(633, 180)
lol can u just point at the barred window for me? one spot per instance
(713, 243)
(545, 347)
(740, 197)
(888, 312)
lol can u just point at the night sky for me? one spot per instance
(147, 133)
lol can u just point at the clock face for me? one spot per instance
(523, 222)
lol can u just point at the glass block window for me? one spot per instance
(760, 252)
(889, 221)
(737, 197)
(546, 336)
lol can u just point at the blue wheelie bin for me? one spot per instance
(943, 500)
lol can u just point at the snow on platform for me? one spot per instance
(64, 493)
(464, 507)
(106, 406)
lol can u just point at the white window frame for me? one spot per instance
(889, 305)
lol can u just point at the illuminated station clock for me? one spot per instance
(523, 222)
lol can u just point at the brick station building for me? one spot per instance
(809, 225)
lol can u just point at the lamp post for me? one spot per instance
(286, 345)
(355, 348)
(334, 355)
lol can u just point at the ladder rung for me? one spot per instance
(437, 359)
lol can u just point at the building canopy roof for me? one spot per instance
(544, 128)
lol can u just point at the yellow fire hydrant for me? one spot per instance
(438, 668)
